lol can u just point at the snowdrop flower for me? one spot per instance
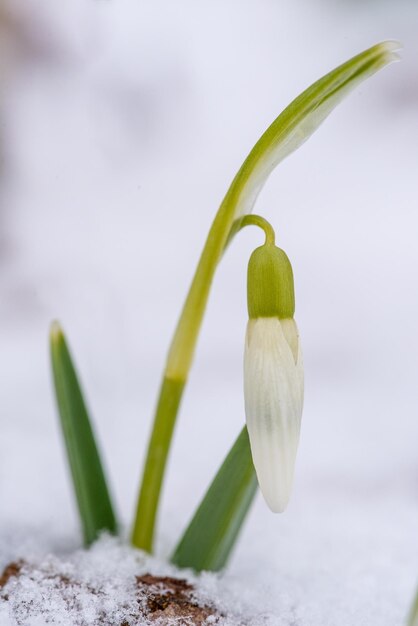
(273, 373)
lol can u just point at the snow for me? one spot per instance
(125, 133)
(90, 587)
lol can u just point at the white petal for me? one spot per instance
(273, 391)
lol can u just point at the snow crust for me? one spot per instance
(89, 587)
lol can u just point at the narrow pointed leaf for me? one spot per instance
(214, 529)
(92, 494)
(413, 616)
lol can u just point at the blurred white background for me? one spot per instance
(122, 125)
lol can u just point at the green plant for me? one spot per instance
(210, 536)
(93, 499)
(413, 614)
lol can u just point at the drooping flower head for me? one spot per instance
(273, 373)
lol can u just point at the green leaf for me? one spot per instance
(213, 531)
(93, 499)
(413, 616)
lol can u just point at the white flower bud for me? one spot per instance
(273, 390)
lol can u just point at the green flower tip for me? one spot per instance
(56, 333)
(270, 289)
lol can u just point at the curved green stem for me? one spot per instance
(293, 126)
(261, 222)
(159, 446)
